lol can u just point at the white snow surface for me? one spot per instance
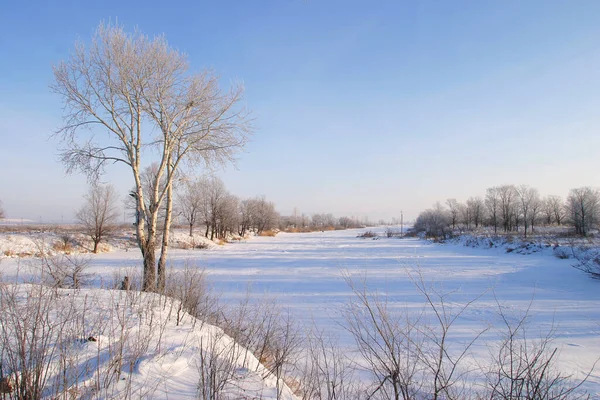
(305, 272)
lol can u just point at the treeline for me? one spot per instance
(200, 203)
(318, 222)
(510, 208)
(205, 202)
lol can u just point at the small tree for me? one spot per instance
(434, 222)
(1, 210)
(189, 203)
(99, 214)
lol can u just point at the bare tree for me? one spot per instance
(547, 211)
(138, 92)
(227, 213)
(390, 346)
(454, 208)
(434, 222)
(508, 207)
(214, 194)
(466, 215)
(264, 216)
(99, 214)
(583, 209)
(535, 211)
(528, 198)
(189, 203)
(245, 216)
(476, 210)
(1, 210)
(553, 209)
(558, 208)
(492, 203)
(525, 368)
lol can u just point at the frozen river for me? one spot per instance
(307, 273)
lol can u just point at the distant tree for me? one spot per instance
(228, 218)
(245, 216)
(214, 193)
(189, 203)
(264, 216)
(557, 206)
(583, 209)
(476, 208)
(508, 206)
(1, 210)
(454, 208)
(99, 214)
(528, 198)
(434, 221)
(535, 210)
(465, 215)
(547, 211)
(317, 221)
(347, 222)
(493, 205)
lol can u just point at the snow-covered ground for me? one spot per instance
(306, 271)
(114, 344)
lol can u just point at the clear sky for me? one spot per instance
(362, 107)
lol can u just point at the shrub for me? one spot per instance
(368, 234)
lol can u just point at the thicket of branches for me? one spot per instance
(205, 202)
(396, 354)
(510, 208)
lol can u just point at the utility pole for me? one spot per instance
(401, 223)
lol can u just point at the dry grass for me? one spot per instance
(270, 233)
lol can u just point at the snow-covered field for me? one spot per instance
(306, 271)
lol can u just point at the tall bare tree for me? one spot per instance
(492, 203)
(528, 198)
(126, 95)
(99, 214)
(508, 206)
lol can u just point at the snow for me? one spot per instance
(305, 272)
(129, 345)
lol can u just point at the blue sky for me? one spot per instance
(361, 107)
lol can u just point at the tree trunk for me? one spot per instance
(146, 237)
(149, 254)
(95, 246)
(191, 227)
(162, 262)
